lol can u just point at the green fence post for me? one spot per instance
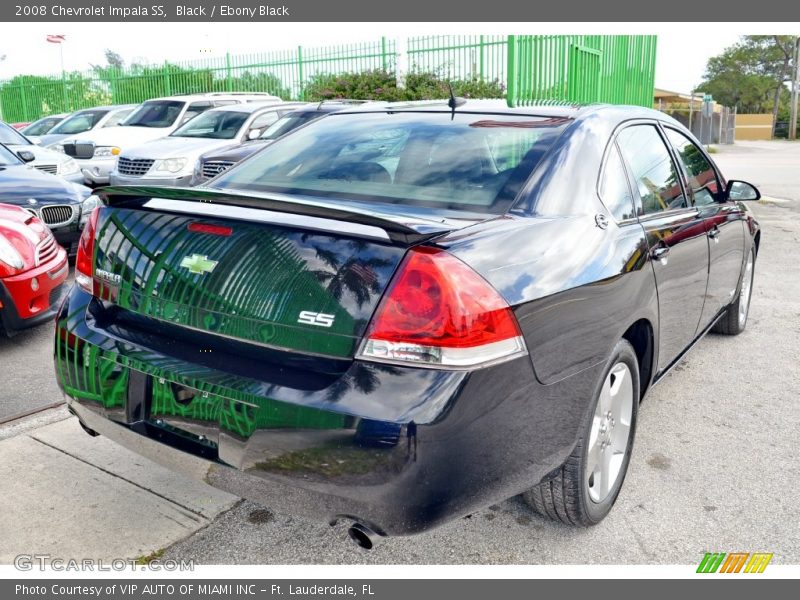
(167, 83)
(302, 93)
(24, 103)
(511, 53)
(480, 69)
(383, 54)
(228, 74)
(64, 91)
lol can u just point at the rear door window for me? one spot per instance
(657, 180)
(614, 189)
(700, 174)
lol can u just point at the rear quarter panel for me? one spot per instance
(575, 286)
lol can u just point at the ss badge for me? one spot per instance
(313, 318)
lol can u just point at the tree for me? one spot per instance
(752, 74)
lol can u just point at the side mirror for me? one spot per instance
(253, 134)
(26, 156)
(741, 190)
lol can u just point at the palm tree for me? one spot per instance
(356, 274)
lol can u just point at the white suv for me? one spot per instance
(96, 151)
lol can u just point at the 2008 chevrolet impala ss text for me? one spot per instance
(402, 313)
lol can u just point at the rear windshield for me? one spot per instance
(158, 113)
(80, 122)
(216, 124)
(472, 162)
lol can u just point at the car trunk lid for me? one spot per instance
(301, 276)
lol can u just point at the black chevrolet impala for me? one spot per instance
(401, 314)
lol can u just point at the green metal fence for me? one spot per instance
(617, 69)
(460, 56)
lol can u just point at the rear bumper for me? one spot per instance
(399, 449)
(22, 306)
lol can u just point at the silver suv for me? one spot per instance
(96, 151)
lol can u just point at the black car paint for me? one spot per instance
(577, 284)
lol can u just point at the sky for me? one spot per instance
(683, 49)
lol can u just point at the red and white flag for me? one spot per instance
(56, 39)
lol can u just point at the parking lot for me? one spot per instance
(714, 467)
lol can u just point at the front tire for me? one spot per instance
(586, 486)
(734, 319)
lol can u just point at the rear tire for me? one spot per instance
(585, 487)
(734, 319)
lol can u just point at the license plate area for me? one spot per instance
(173, 413)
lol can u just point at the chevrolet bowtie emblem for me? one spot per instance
(198, 264)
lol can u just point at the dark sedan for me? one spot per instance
(63, 206)
(400, 314)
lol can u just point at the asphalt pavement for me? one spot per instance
(714, 466)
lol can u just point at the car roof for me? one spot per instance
(252, 107)
(217, 95)
(540, 108)
(107, 107)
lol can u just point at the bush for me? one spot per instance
(382, 85)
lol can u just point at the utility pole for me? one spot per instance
(795, 89)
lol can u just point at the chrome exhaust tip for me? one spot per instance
(364, 536)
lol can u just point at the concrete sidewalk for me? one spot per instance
(69, 495)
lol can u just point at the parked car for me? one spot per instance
(96, 151)
(216, 161)
(171, 160)
(33, 269)
(42, 126)
(89, 119)
(400, 314)
(63, 206)
(43, 159)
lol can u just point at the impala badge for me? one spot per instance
(198, 264)
(108, 277)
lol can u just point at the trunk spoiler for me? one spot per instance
(398, 226)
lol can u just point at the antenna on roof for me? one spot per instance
(454, 102)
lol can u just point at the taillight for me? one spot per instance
(84, 263)
(438, 312)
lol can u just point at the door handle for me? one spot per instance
(660, 253)
(714, 233)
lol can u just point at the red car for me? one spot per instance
(33, 269)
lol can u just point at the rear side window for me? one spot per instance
(614, 189)
(652, 168)
(701, 177)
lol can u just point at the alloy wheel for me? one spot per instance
(610, 432)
